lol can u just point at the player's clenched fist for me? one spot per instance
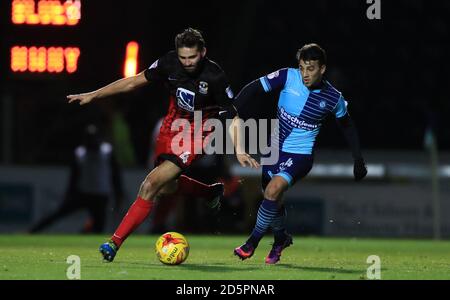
(83, 98)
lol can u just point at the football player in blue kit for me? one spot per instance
(305, 99)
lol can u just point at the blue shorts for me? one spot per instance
(290, 166)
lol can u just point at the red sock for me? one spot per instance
(136, 214)
(191, 187)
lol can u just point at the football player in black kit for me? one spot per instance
(195, 83)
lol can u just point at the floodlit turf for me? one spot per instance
(44, 257)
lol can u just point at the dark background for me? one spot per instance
(391, 71)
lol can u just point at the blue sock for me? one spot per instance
(279, 225)
(266, 213)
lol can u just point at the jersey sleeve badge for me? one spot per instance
(229, 92)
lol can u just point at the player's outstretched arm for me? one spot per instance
(351, 135)
(235, 132)
(120, 86)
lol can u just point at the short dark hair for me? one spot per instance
(312, 52)
(190, 38)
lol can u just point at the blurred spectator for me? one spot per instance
(94, 176)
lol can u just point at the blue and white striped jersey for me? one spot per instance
(300, 110)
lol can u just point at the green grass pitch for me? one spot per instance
(210, 258)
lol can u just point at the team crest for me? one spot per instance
(322, 104)
(185, 99)
(203, 87)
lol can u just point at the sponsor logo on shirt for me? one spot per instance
(185, 99)
(294, 121)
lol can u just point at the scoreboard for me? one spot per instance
(46, 12)
(52, 58)
(42, 59)
(52, 48)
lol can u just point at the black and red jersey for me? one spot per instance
(206, 90)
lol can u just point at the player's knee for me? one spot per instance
(273, 191)
(149, 187)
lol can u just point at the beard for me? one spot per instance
(194, 69)
(191, 69)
